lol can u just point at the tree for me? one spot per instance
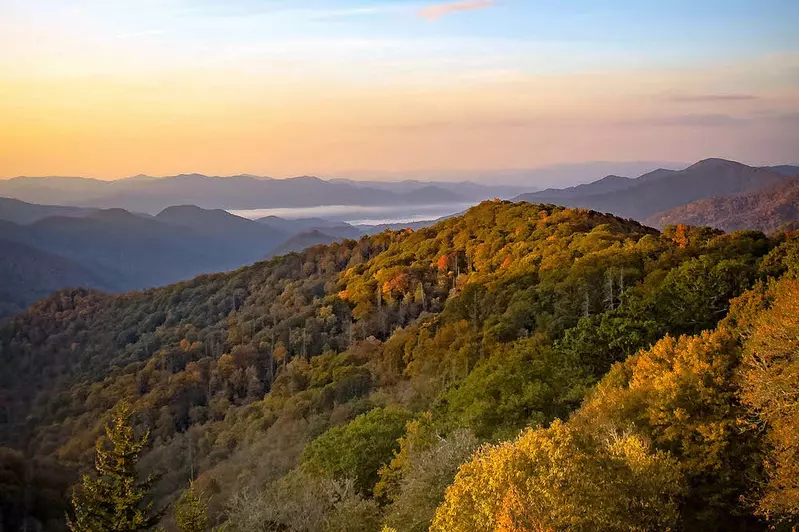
(561, 478)
(680, 395)
(113, 500)
(302, 502)
(191, 511)
(424, 480)
(358, 449)
(770, 372)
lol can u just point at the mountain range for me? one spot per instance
(152, 195)
(660, 190)
(49, 247)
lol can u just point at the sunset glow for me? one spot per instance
(116, 88)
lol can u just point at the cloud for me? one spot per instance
(706, 98)
(436, 11)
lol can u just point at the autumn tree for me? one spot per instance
(770, 389)
(562, 479)
(681, 395)
(114, 500)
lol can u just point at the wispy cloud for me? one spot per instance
(706, 98)
(436, 11)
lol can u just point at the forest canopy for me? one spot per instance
(519, 367)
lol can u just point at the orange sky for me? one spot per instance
(83, 100)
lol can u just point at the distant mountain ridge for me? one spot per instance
(609, 183)
(152, 195)
(766, 210)
(662, 189)
(118, 250)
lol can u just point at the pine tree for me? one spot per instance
(113, 500)
(191, 511)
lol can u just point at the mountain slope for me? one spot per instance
(661, 191)
(766, 210)
(222, 224)
(475, 328)
(20, 212)
(117, 250)
(304, 240)
(128, 251)
(28, 274)
(606, 184)
(294, 227)
(785, 169)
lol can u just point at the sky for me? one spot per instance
(113, 88)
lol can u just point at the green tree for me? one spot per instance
(191, 511)
(358, 449)
(113, 499)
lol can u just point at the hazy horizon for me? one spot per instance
(591, 170)
(353, 87)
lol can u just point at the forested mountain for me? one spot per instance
(29, 274)
(122, 251)
(117, 251)
(343, 387)
(767, 209)
(661, 190)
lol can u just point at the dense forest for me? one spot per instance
(517, 368)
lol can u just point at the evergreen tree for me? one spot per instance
(113, 499)
(191, 511)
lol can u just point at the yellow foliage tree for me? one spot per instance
(561, 478)
(770, 375)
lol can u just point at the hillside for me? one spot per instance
(119, 251)
(136, 251)
(766, 210)
(341, 388)
(609, 183)
(304, 240)
(19, 212)
(661, 190)
(29, 274)
(222, 224)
